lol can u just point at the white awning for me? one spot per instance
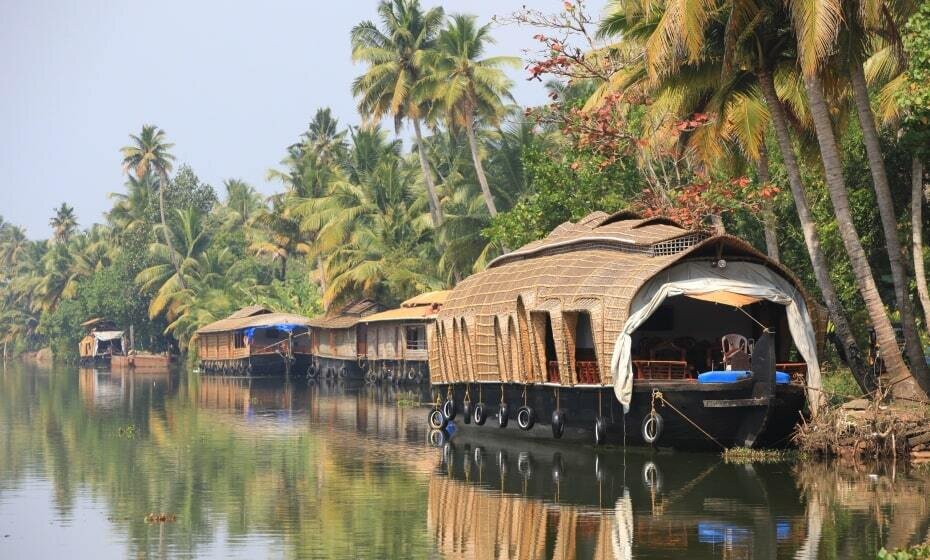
(107, 335)
(740, 283)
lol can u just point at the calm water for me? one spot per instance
(265, 468)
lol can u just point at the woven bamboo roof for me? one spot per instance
(428, 298)
(579, 264)
(250, 311)
(242, 320)
(419, 312)
(348, 316)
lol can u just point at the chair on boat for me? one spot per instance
(736, 352)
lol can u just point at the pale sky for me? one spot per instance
(231, 82)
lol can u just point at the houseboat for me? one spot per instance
(100, 343)
(138, 361)
(255, 341)
(626, 329)
(339, 342)
(395, 347)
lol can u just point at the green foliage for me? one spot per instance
(915, 97)
(564, 184)
(918, 552)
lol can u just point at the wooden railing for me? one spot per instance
(588, 372)
(661, 369)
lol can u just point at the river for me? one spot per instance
(270, 468)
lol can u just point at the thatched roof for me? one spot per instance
(420, 307)
(602, 258)
(428, 298)
(348, 316)
(253, 316)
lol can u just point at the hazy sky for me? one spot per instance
(232, 83)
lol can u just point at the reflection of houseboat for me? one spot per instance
(606, 326)
(101, 342)
(255, 340)
(545, 501)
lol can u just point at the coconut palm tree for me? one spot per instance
(149, 152)
(277, 233)
(755, 37)
(242, 199)
(64, 223)
(394, 54)
(129, 215)
(467, 87)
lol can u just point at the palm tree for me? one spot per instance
(324, 139)
(395, 55)
(149, 152)
(242, 198)
(129, 215)
(755, 37)
(278, 234)
(63, 223)
(468, 87)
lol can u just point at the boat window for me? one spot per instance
(416, 337)
(585, 356)
(239, 339)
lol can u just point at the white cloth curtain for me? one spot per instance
(744, 278)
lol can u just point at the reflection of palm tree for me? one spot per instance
(395, 55)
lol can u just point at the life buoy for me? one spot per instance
(437, 420)
(448, 409)
(466, 412)
(600, 430)
(503, 415)
(526, 417)
(652, 427)
(558, 423)
(479, 414)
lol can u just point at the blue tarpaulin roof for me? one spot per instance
(286, 327)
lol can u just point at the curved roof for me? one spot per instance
(243, 319)
(602, 256)
(429, 298)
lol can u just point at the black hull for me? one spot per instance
(386, 371)
(729, 414)
(268, 364)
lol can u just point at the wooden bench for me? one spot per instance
(661, 369)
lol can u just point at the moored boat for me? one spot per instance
(101, 342)
(620, 328)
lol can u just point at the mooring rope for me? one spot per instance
(658, 395)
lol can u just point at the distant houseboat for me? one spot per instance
(631, 329)
(137, 361)
(340, 341)
(255, 340)
(395, 347)
(100, 343)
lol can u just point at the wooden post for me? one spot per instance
(132, 337)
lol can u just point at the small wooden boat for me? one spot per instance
(140, 361)
(255, 341)
(100, 343)
(620, 328)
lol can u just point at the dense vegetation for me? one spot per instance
(799, 126)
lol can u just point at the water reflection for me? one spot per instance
(283, 468)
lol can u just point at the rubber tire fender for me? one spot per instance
(526, 417)
(467, 408)
(448, 409)
(651, 430)
(343, 372)
(600, 430)
(436, 419)
(503, 415)
(479, 414)
(558, 423)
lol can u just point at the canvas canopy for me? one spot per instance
(738, 284)
(104, 336)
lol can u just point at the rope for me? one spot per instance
(764, 328)
(658, 395)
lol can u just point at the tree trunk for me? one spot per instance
(479, 169)
(900, 377)
(166, 233)
(768, 212)
(434, 209)
(319, 264)
(812, 238)
(917, 183)
(915, 354)
(717, 222)
(283, 268)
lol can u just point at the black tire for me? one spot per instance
(557, 468)
(448, 410)
(478, 455)
(437, 438)
(600, 430)
(479, 414)
(343, 372)
(436, 419)
(558, 423)
(526, 417)
(652, 477)
(651, 430)
(503, 415)
(525, 465)
(466, 412)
